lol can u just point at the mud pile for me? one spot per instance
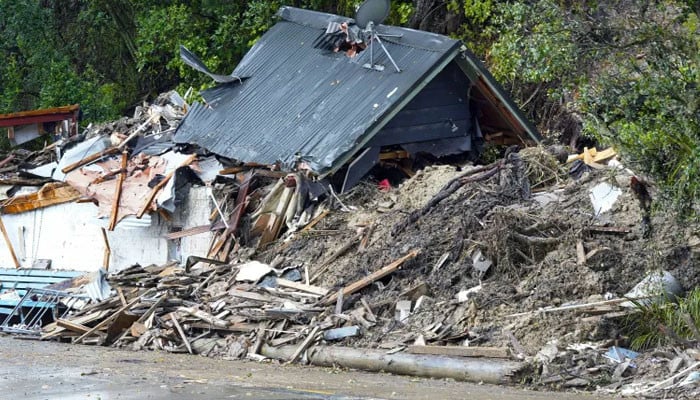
(547, 248)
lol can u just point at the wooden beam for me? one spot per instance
(394, 155)
(232, 170)
(315, 221)
(72, 326)
(53, 329)
(89, 159)
(196, 230)
(235, 217)
(107, 252)
(354, 287)
(181, 332)
(303, 345)
(149, 199)
(329, 261)
(9, 244)
(317, 290)
(111, 318)
(50, 194)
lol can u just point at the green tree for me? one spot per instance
(645, 101)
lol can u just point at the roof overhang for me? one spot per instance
(39, 116)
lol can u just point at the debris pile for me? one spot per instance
(492, 261)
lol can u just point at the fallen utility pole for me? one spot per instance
(440, 367)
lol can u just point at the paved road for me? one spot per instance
(35, 370)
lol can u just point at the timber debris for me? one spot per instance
(523, 261)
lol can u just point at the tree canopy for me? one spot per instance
(623, 72)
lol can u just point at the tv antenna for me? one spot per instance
(369, 14)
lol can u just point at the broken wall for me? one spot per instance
(70, 236)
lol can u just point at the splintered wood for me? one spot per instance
(203, 309)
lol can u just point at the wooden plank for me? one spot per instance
(53, 329)
(118, 192)
(120, 293)
(235, 217)
(109, 319)
(155, 117)
(142, 319)
(354, 287)
(107, 251)
(89, 159)
(236, 327)
(592, 305)
(149, 199)
(302, 287)
(251, 296)
(580, 253)
(303, 345)
(329, 261)
(72, 326)
(49, 195)
(204, 316)
(315, 221)
(9, 244)
(181, 332)
(197, 230)
(461, 351)
(232, 170)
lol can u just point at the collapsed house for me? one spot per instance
(297, 102)
(512, 262)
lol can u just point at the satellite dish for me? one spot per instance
(375, 11)
(369, 14)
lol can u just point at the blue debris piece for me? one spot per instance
(619, 354)
(268, 282)
(341, 333)
(292, 275)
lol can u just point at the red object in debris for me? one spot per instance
(384, 185)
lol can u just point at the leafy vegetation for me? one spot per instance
(621, 72)
(668, 322)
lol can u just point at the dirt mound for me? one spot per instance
(547, 245)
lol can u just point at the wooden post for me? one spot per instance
(118, 191)
(9, 244)
(108, 250)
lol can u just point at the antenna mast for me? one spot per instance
(369, 13)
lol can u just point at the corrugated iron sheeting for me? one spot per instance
(305, 100)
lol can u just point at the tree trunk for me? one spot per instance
(433, 16)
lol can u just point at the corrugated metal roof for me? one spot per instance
(306, 101)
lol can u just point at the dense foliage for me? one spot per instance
(624, 72)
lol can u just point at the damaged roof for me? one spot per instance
(37, 116)
(299, 100)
